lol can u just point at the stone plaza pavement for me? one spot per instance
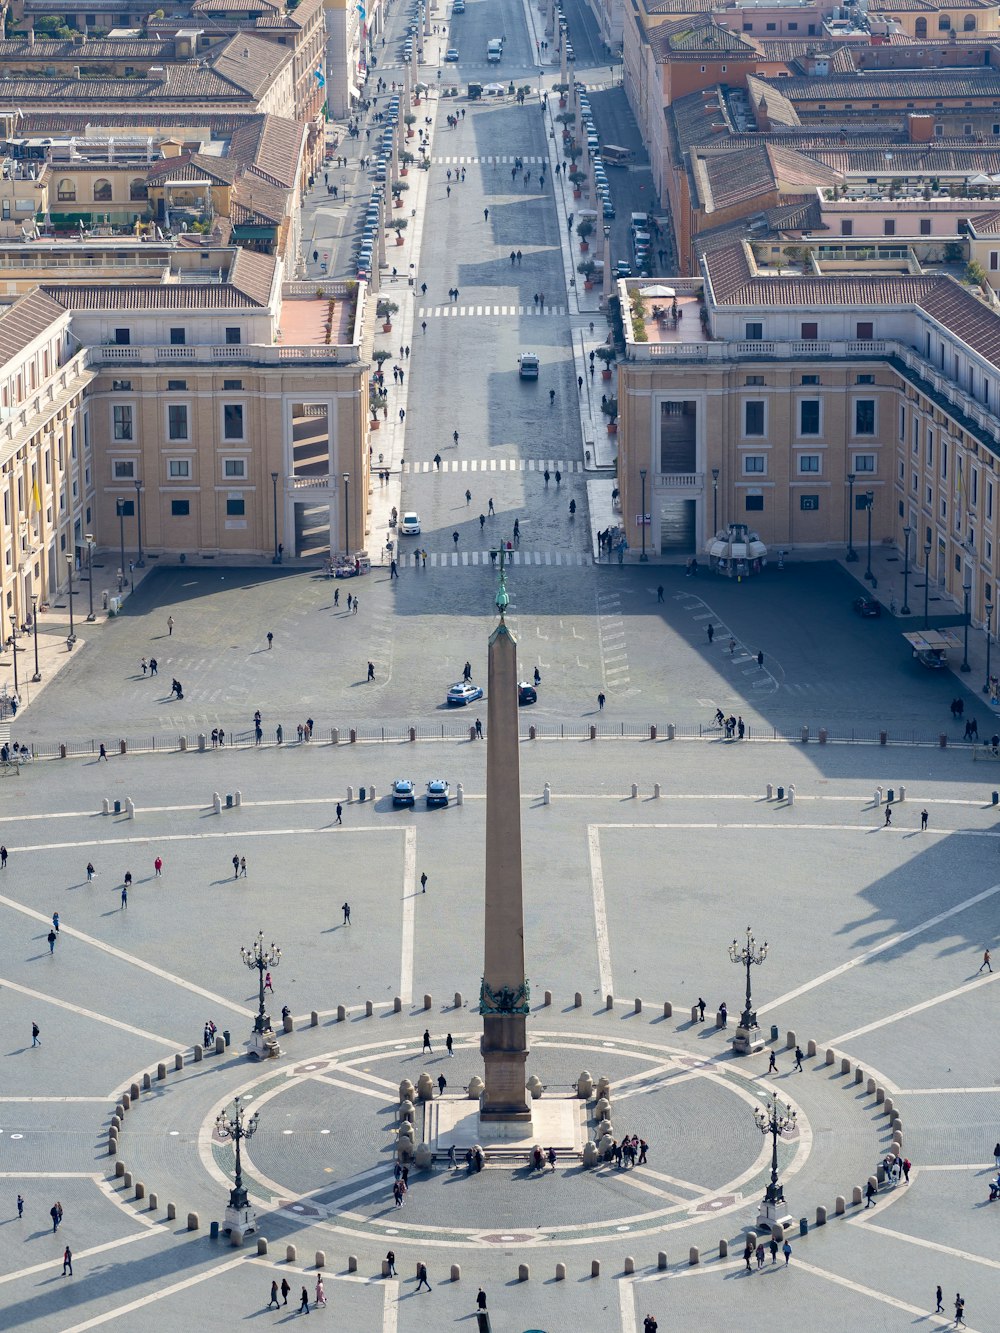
(876, 935)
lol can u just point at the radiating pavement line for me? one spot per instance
(913, 1009)
(43, 998)
(879, 948)
(77, 1254)
(872, 1294)
(626, 1304)
(409, 912)
(390, 1306)
(158, 1295)
(600, 910)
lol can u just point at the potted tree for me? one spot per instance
(610, 409)
(588, 268)
(409, 120)
(562, 89)
(577, 178)
(405, 161)
(377, 400)
(605, 355)
(399, 225)
(380, 358)
(584, 228)
(398, 190)
(566, 119)
(385, 309)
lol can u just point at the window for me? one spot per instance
(102, 191)
(66, 191)
(925, 223)
(754, 381)
(864, 416)
(180, 508)
(123, 469)
(889, 227)
(233, 335)
(754, 463)
(808, 502)
(930, 449)
(232, 386)
(123, 337)
(178, 468)
(938, 129)
(753, 417)
(232, 421)
(993, 260)
(235, 507)
(177, 337)
(809, 416)
(234, 467)
(771, 27)
(809, 332)
(753, 332)
(177, 385)
(809, 463)
(989, 499)
(121, 386)
(125, 507)
(810, 379)
(969, 23)
(122, 418)
(864, 462)
(754, 503)
(870, 379)
(864, 330)
(944, 23)
(177, 421)
(137, 191)
(846, 227)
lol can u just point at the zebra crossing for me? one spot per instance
(499, 161)
(459, 559)
(496, 465)
(484, 311)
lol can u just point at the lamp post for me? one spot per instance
(642, 477)
(237, 1127)
(13, 649)
(905, 609)
(966, 589)
(774, 1118)
(748, 955)
(34, 625)
(852, 554)
(927, 579)
(606, 275)
(989, 617)
(347, 514)
(276, 558)
(138, 514)
(263, 957)
(89, 539)
(869, 501)
(72, 632)
(120, 511)
(715, 500)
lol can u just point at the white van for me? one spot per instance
(494, 50)
(528, 366)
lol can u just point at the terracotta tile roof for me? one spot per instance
(698, 34)
(986, 224)
(782, 220)
(253, 276)
(727, 179)
(765, 96)
(193, 167)
(913, 159)
(699, 118)
(172, 296)
(921, 6)
(233, 6)
(107, 48)
(271, 146)
(24, 320)
(78, 122)
(888, 85)
(254, 199)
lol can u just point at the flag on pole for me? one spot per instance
(36, 496)
(320, 78)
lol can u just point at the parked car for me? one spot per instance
(463, 692)
(451, 54)
(409, 525)
(526, 694)
(867, 606)
(437, 793)
(402, 792)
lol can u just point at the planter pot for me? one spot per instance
(588, 284)
(409, 134)
(584, 247)
(404, 171)
(612, 427)
(562, 104)
(399, 238)
(387, 326)
(606, 373)
(374, 424)
(577, 192)
(397, 201)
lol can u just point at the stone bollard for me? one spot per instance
(220, 1045)
(397, 1004)
(593, 732)
(547, 794)
(694, 1255)
(105, 806)
(133, 1092)
(902, 794)
(171, 1212)
(723, 1248)
(129, 808)
(371, 792)
(661, 1261)
(456, 1272)
(777, 1232)
(560, 1272)
(178, 1059)
(879, 1096)
(458, 999)
(385, 1267)
(629, 1264)
(369, 1008)
(193, 1222)
(112, 1147)
(887, 1106)
(183, 743)
(262, 1245)
(153, 1202)
(577, 1000)
(859, 1075)
(352, 1263)
(870, 1086)
(547, 998)
(237, 797)
(341, 1013)
(770, 791)
(671, 731)
(140, 1190)
(791, 1041)
(350, 795)
(428, 1001)
(216, 802)
(116, 1124)
(810, 1047)
(652, 731)
(821, 1216)
(856, 1194)
(335, 735)
(236, 1237)
(752, 1238)
(694, 1013)
(199, 1053)
(127, 1180)
(831, 1055)
(635, 790)
(609, 1001)
(718, 1019)
(459, 794)
(595, 1268)
(805, 735)
(656, 791)
(523, 1272)
(288, 1023)
(531, 733)
(353, 735)
(839, 1205)
(472, 733)
(126, 1102)
(119, 1168)
(638, 1005)
(289, 1254)
(668, 1009)
(791, 794)
(822, 735)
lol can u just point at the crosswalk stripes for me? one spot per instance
(459, 559)
(484, 311)
(496, 465)
(500, 161)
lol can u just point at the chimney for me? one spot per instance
(31, 37)
(76, 72)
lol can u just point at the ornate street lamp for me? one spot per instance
(927, 580)
(775, 1118)
(905, 608)
(263, 957)
(13, 649)
(72, 631)
(235, 1126)
(642, 475)
(869, 501)
(140, 562)
(120, 511)
(89, 539)
(966, 589)
(276, 558)
(34, 625)
(748, 955)
(852, 554)
(715, 500)
(347, 515)
(989, 641)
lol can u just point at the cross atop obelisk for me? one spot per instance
(503, 998)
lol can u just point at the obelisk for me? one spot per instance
(503, 997)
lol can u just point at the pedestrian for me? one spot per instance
(959, 1310)
(285, 1289)
(52, 941)
(393, 571)
(760, 1255)
(986, 962)
(659, 593)
(55, 916)
(243, 867)
(154, 667)
(67, 1261)
(701, 1010)
(772, 1064)
(906, 1170)
(486, 215)
(711, 633)
(448, 1044)
(158, 867)
(354, 608)
(340, 812)
(346, 909)
(479, 730)
(267, 982)
(304, 1303)
(320, 1298)
(236, 866)
(760, 660)
(748, 1255)
(480, 1299)
(54, 1214)
(36, 1040)
(558, 477)
(724, 1014)
(422, 1277)
(996, 1155)
(888, 816)
(270, 640)
(427, 1042)
(938, 1294)
(600, 702)
(390, 1260)
(442, 1084)
(489, 507)
(923, 820)
(170, 625)
(786, 1250)
(371, 670)
(870, 1192)
(91, 872)
(274, 1296)
(350, 601)
(124, 896)
(798, 1059)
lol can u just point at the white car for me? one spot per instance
(409, 525)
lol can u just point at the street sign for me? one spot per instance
(643, 520)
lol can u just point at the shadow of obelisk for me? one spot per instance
(503, 997)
